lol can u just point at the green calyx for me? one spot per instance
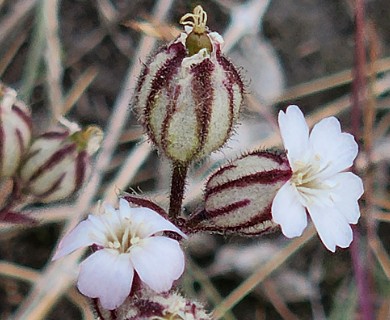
(196, 42)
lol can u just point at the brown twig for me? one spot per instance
(359, 97)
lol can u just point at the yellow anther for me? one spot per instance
(134, 240)
(114, 244)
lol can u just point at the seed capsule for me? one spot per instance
(58, 163)
(239, 195)
(15, 131)
(189, 95)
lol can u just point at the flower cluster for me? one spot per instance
(188, 98)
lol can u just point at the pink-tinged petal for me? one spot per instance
(332, 227)
(295, 133)
(106, 275)
(288, 211)
(158, 261)
(346, 193)
(336, 150)
(79, 237)
(147, 222)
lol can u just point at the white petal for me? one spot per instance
(335, 149)
(79, 237)
(109, 209)
(289, 212)
(346, 193)
(106, 275)
(332, 227)
(148, 222)
(109, 220)
(350, 210)
(348, 185)
(124, 208)
(158, 261)
(295, 133)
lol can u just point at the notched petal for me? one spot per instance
(147, 223)
(332, 227)
(108, 276)
(294, 131)
(158, 261)
(289, 212)
(79, 237)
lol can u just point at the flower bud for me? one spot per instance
(15, 131)
(238, 197)
(189, 95)
(149, 305)
(58, 163)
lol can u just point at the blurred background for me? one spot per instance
(82, 58)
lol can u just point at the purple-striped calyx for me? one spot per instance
(189, 95)
(58, 163)
(239, 195)
(15, 131)
(146, 304)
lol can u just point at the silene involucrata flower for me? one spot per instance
(127, 241)
(318, 184)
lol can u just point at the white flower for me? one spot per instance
(318, 183)
(127, 242)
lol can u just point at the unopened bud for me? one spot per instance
(15, 131)
(58, 163)
(238, 197)
(189, 95)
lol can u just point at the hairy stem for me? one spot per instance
(179, 174)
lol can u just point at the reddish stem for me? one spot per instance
(179, 174)
(358, 100)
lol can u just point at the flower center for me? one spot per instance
(123, 238)
(304, 174)
(307, 179)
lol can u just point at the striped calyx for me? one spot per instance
(15, 131)
(146, 304)
(189, 95)
(58, 163)
(238, 197)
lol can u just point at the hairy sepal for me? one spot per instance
(239, 195)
